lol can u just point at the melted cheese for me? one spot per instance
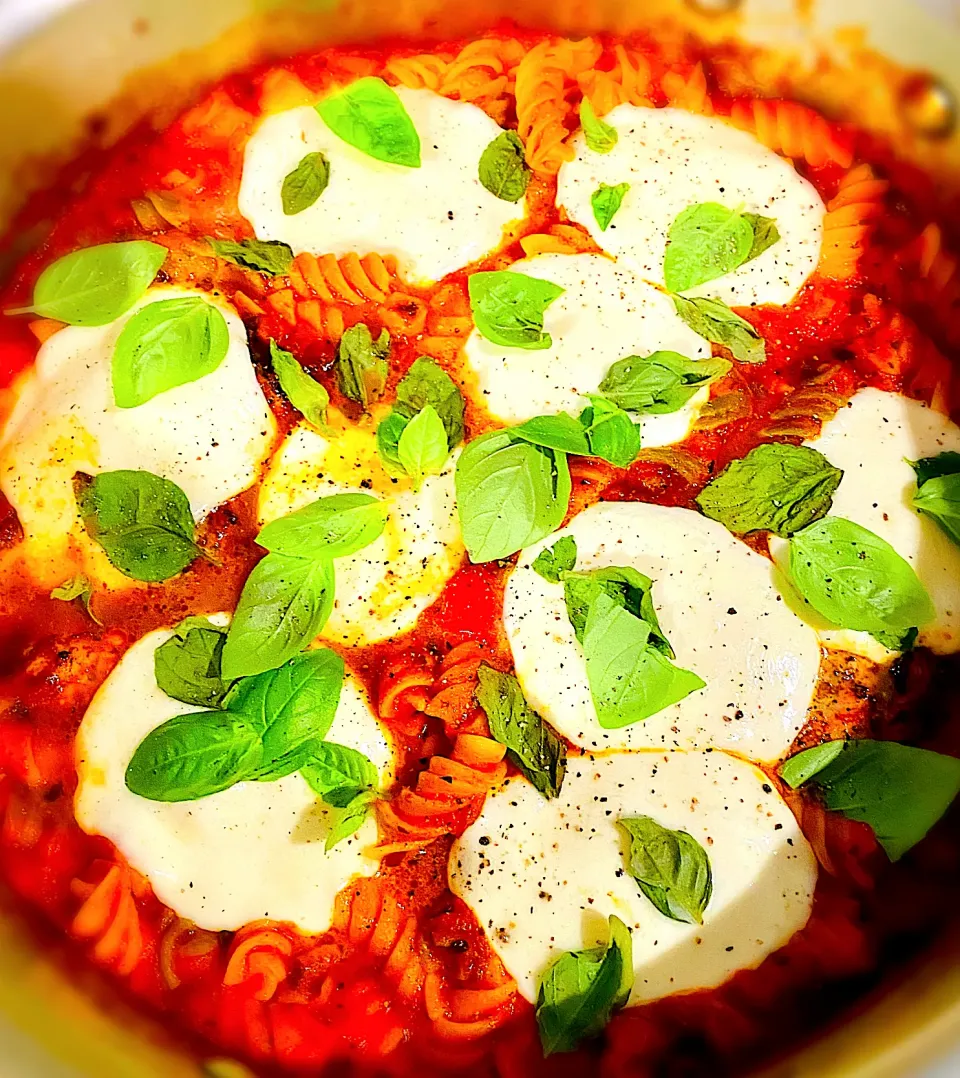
(433, 219)
(543, 876)
(208, 436)
(674, 159)
(605, 314)
(255, 850)
(382, 589)
(718, 607)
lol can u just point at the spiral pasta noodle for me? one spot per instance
(794, 130)
(108, 916)
(628, 82)
(688, 91)
(803, 412)
(849, 220)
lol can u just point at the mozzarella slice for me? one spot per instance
(382, 589)
(434, 219)
(543, 876)
(209, 436)
(255, 850)
(718, 607)
(605, 313)
(674, 159)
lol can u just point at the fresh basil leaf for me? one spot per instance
(898, 641)
(388, 441)
(704, 242)
(167, 344)
(369, 115)
(599, 136)
(422, 446)
(187, 666)
(611, 433)
(580, 991)
(777, 488)
(95, 285)
(426, 383)
(560, 558)
(304, 392)
(503, 168)
(141, 520)
(715, 322)
(856, 580)
(336, 767)
(509, 494)
(362, 364)
(332, 527)
(660, 383)
(194, 756)
(933, 467)
(532, 746)
(291, 708)
(671, 868)
(266, 256)
(283, 606)
(606, 201)
(350, 818)
(305, 184)
(508, 307)
(561, 432)
(626, 586)
(765, 234)
(77, 587)
(901, 792)
(939, 498)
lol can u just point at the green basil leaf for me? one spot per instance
(142, 521)
(369, 115)
(704, 242)
(350, 818)
(503, 168)
(606, 201)
(508, 307)
(266, 256)
(77, 587)
(715, 322)
(777, 488)
(561, 432)
(934, 467)
(671, 868)
(305, 184)
(901, 792)
(560, 558)
(187, 666)
(194, 756)
(612, 434)
(898, 641)
(856, 580)
(426, 383)
(388, 441)
(422, 446)
(167, 344)
(660, 383)
(362, 364)
(532, 746)
(283, 606)
(509, 494)
(765, 234)
(599, 136)
(304, 392)
(939, 498)
(335, 767)
(332, 527)
(95, 285)
(291, 708)
(580, 991)
(626, 586)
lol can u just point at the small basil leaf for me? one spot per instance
(898, 641)
(856, 580)
(899, 791)
(777, 488)
(509, 494)
(370, 116)
(422, 446)
(671, 867)
(194, 756)
(704, 242)
(560, 558)
(362, 364)
(660, 383)
(611, 433)
(167, 344)
(334, 767)
(350, 818)
(561, 432)
(503, 168)
(388, 441)
(95, 285)
(599, 136)
(939, 498)
(606, 201)
(142, 521)
(933, 467)
(532, 746)
(283, 606)
(305, 393)
(426, 383)
(580, 991)
(266, 256)
(305, 184)
(508, 307)
(77, 587)
(715, 322)
(626, 586)
(765, 234)
(187, 666)
(332, 527)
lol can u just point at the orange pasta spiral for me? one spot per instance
(260, 950)
(108, 916)
(794, 130)
(628, 81)
(850, 218)
(802, 413)
(688, 91)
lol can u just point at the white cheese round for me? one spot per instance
(674, 159)
(543, 876)
(255, 850)
(718, 606)
(434, 219)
